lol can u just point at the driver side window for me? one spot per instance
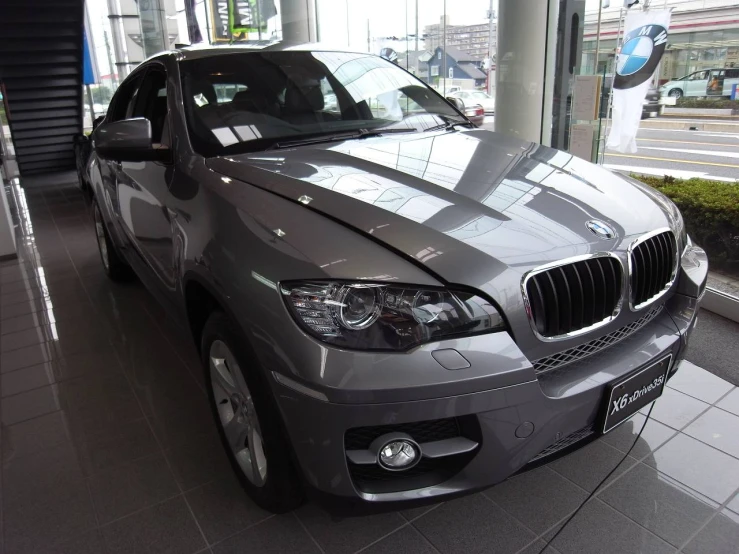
(151, 103)
(124, 99)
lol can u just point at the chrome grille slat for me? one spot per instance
(577, 353)
(653, 264)
(574, 296)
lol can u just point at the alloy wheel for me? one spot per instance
(237, 413)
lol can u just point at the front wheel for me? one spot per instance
(248, 421)
(114, 265)
(675, 93)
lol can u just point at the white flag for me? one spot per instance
(644, 43)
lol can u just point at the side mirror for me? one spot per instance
(128, 140)
(456, 102)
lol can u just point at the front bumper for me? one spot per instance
(651, 108)
(518, 418)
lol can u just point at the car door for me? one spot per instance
(731, 78)
(715, 83)
(121, 107)
(143, 186)
(696, 84)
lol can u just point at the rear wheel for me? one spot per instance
(675, 93)
(248, 420)
(113, 263)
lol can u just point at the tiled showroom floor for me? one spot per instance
(108, 444)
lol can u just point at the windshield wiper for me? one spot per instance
(358, 134)
(449, 125)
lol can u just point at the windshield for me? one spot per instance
(248, 101)
(478, 95)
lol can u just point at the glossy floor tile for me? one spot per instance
(717, 428)
(699, 383)
(108, 446)
(659, 503)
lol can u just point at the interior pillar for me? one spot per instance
(538, 56)
(298, 21)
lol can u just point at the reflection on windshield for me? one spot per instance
(291, 95)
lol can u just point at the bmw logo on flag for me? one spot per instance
(639, 56)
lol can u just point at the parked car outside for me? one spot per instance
(707, 82)
(650, 105)
(474, 112)
(391, 306)
(476, 97)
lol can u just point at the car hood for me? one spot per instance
(474, 207)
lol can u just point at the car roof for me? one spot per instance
(198, 51)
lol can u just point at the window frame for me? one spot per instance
(145, 71)
(130, 87)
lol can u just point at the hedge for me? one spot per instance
(711, 213)
(708, 103)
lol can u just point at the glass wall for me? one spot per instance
(413, 33)
(686, 53)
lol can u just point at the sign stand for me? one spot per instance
(619, 39)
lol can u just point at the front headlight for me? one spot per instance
(681, 231)
(368, 316)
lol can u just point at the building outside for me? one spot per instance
(703, 35)
(470, 39)
(416, 62)
(458, 69)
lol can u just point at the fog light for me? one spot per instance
(398, 454)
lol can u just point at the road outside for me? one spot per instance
(682, 153)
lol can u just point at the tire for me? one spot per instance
(114, 265)
(248, 421)
(675, 93)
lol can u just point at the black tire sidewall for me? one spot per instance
(118, 269)
(281, 491)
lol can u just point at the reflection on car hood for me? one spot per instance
(474, 207)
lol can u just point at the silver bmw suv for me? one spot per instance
(391, 305)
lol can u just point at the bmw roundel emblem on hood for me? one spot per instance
(641, 51)
(600, 229)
